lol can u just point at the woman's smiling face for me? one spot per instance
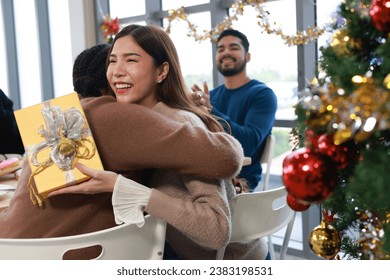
(132, 74)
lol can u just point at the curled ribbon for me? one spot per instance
(66, 134)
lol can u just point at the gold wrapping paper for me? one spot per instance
(56, 135)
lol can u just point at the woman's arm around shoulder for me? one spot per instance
(129, 135)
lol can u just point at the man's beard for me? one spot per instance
(231, 71)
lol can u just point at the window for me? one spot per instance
(195, 57)
(124, 9)
(27, 52)
(172, 4)
(3, 56)
(272, 61)
(61, 47)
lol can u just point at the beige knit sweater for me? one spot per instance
(129, 138)
(197, 212)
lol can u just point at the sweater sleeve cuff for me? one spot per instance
(129, 200)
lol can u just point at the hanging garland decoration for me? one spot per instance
(212, 34)
(237, 9)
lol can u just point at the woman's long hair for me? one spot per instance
(172, 91)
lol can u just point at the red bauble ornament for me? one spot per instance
(380, 14)
(297, 204)
(343, 155)
(309, 176)
(311, 138)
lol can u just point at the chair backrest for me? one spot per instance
(267, 159)
(124, 242)
(258, 214)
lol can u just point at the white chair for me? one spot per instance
(267, 160)
(124, 242)
(259, 214)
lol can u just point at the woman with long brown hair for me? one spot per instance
(143, 68)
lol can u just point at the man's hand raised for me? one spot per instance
(201, 97)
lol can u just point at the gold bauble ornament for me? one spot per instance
(369, 103)
(386, 81)
(372, 236)
(342, 135)
(343, 44)
(325, 240)
(317, 121)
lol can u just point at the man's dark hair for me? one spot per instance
(89, 71)
(238, 34)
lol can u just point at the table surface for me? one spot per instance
(7, 179)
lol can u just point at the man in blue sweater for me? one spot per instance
(246, 104)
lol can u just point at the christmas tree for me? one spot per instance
(342, 141)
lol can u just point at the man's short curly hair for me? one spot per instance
(89, 71)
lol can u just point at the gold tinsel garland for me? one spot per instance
(237, 9)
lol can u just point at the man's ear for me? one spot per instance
(248, 56)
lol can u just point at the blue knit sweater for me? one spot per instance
(250, 112)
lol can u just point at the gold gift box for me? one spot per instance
(56, 135)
